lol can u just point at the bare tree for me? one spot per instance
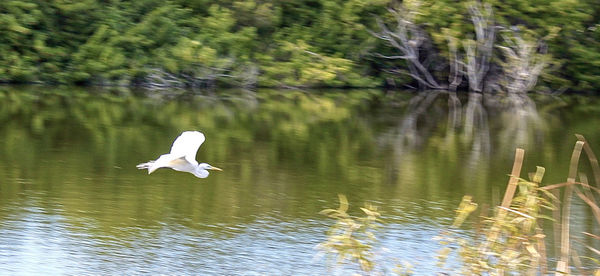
(408, 38)
(523, 63)
(456, 67)
(158, 78)
(202, 76)
(479, 51)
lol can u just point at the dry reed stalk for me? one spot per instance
(591, 203)
(592, 249)
(591, 200)
(539, 235)
(556, 219)
(591, 157)
(562, 266)
(514, 178)
(538, 175)
(576, 260)
(560, 185)
(508, 196)
(592, 235)
(542, 250)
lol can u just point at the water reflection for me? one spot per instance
(468, 131)
(515, 116)
(70, 188)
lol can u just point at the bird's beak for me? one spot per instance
(215, 168)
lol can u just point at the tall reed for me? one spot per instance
(512, 241)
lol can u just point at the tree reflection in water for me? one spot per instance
(488, 124)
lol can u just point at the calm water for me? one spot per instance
(72, 201)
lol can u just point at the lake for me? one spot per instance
(73, 202)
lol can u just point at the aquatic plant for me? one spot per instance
(351, 238)
(512, 240)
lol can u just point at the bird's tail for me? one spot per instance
(147, 165)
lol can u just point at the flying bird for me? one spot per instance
(182, 156)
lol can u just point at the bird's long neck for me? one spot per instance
(200, 172)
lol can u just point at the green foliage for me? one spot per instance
(187, 42)
(287, 43)
(298, 65)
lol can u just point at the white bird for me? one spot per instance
(182, 156)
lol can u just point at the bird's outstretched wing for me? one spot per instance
(187, 144)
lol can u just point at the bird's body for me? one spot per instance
(182, 156)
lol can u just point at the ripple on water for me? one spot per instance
(35, 240)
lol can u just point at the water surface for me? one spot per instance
(72, 201)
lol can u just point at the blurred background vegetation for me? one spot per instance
(304, 43)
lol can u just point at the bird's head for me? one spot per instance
(206, 166)
(203, 168)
